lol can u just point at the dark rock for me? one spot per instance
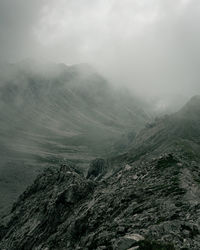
(97, 168)
(149, 245)
(127, 241)
(149, 200)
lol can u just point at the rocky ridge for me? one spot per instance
(146, 205)
(147, 198)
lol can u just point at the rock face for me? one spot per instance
(145, 200)
(157, 210)
(47, 207)
(97, 168)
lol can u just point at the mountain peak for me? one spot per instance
(83, 68)
(194, 100)
(192, 106)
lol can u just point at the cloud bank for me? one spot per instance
(151, 46)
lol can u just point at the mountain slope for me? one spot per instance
(152, 205)
(179, 132)
(56, 113)
(150, 201)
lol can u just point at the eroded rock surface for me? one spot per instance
(64, 210)
(147, 198)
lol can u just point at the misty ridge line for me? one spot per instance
(158, 104)
(99, 124)
(144, 46)
(151, 178)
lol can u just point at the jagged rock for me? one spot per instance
(62, 209)
(154, 204)
(43, 207)
(149, 245)
(127, 241)
(97, 168)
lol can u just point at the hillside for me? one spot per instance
(150, 201)
(52, 114)
(179, 132)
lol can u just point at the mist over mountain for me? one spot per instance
(53, 113)
(147, 198)
(179, 130)
(151, 47)
(99, 125)
(116, 172)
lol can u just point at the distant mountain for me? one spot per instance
(53, 113)
(149, 201)
(179, 132)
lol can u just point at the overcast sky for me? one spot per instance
(153, 46)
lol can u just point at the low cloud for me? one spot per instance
(151, 46)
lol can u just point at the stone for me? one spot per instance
(130, 240)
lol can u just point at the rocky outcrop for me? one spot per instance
(97, 169)
(146, 199)
(146, 205)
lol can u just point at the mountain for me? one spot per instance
(147, 198)
(52, 114)
(179, 132)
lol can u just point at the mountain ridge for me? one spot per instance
(150, 199)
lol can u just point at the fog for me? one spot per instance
(151, 46)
